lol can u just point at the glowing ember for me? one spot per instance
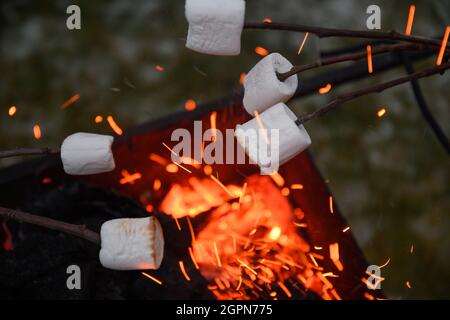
(408, 284)
(368, 296)
(158, 159)
(303, 43)
(190, 105)
(12, 111)
(152, 278)
(411, 249)
(213, 120)
(443, 46)
(159, 68)
(242, 78)
(334, 256)
(172, 168)
(278, 179)
(183, 270)
(385, 264)
(129, 178)
(275, 233)
(207, 170)
(261, 127)
(261, 51)
(297, 186)
(381, 112)
(7, 243)
(37, 132)
(114, 125)
(191, 253)
(267, 20)
(330, 201)
(156, 185)
(412, 10)
(285, 191)
(98, 119)
(46, 180)
(71, 101)
(369, 59)
(345, 229)
(325, 89)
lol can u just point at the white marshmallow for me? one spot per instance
(215, 26)
(131, 244)
(87, 153)
(285, 138)
(263, 89)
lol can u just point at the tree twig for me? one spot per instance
(332, 32)
(80, 231)
(334, 104)
(349, 57)
(424, 109)
(28, 152)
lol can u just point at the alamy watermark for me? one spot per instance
(73, 281)
(214, 147)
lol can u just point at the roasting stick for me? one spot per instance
(340, 100)
(29, 152)
(345, 33)
(81, 153)
(126, 244)
(350, 57)
(80, 231)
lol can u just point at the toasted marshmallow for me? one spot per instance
(263, 89)
(87, 153)
(132, 244)
(273, 141)
(215, 26)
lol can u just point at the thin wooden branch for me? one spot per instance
(339, 101)
(332, 32)
(28, 152)
(80, 231)
(424, 108)
(349, 57)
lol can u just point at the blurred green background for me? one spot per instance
(390, 177)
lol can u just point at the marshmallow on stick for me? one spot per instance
(263, 89)
(215, 26)
(273, 138)
(87, 153)
(132, 244)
